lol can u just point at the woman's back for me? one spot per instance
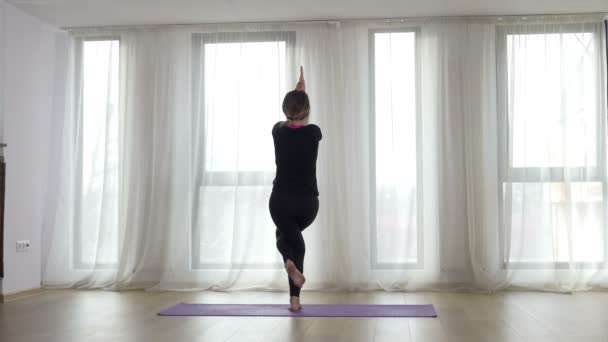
(296, 158)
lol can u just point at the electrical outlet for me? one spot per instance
(23, 246)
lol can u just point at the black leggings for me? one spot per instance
(291, 214)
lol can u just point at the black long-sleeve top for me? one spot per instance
(295, 151)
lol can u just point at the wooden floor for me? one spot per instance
(132, 316)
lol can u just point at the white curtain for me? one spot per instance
(554, 163)
(450, 158)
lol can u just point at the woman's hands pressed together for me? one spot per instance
(301, 85)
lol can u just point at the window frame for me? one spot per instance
(77, 257)
(374, 263)
(508, 174)
(222, 178)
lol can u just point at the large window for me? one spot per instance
(96, 236)
(396, 240)
(240, 80)
(552, 146)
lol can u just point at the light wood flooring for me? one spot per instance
(68, 316)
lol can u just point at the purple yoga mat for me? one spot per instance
(308, 310)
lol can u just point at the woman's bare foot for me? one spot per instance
(294, 304)
(294, 274)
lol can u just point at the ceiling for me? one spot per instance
(85, 13)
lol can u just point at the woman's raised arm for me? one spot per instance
(301, 86)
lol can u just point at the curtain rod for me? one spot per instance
(510, 16)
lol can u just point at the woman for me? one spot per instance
(294, 201)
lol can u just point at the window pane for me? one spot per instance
(552, 99)
(244, 89)
(99, 222)
(395, 135)
(244, 85)
(556, 222)
(229, 211)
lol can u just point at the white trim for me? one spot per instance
(487, 18)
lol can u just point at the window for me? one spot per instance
(239, 83)
(552, 149)
(396, 240)
(97, 210)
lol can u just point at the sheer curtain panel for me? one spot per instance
(458, 154)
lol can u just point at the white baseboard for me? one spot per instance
(11, 297)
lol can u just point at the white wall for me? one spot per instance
(1, 87)
(28, 75)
